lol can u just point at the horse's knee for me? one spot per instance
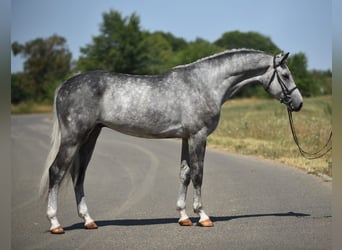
(197, 177)
(185, 174)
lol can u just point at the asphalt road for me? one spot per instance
(132, 186)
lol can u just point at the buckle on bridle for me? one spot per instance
(287, 99)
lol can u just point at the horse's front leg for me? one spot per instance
(197, 146)
(184, 176)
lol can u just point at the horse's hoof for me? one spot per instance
(90, 225)
(206, 223)
(57, 230)
(186, 222)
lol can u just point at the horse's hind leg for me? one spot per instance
(78, 174)
(184, 176)
(57, 172)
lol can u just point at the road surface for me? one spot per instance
(131, 188)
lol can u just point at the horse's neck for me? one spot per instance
(237, 73)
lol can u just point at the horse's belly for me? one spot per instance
(142, 112)
(147, 131)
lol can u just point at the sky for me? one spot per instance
(293, 25)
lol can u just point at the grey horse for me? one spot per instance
(184, 102)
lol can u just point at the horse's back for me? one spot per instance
(143, 106)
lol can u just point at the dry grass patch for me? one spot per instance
(31, 107)
(261, 128)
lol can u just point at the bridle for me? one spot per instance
(287, 100)
(286, 93)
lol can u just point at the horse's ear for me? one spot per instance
(280, 59)
(284, 58)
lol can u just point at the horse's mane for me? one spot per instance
(226, 53)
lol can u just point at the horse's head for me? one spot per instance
(279, 82)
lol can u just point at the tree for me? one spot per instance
(162, 50)
(123, 47)
(176, 43)
(119, 47)
(158, 53)
(47, 60)
(305, 81)
(21, 88)
(195, 50)
(325, 80)
(248, 40)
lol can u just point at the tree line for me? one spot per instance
(122, 46)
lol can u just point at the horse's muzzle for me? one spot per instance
(293, 106)
(293, 103)
(297, 107)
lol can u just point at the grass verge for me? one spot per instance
(31, 107)
(259, 127)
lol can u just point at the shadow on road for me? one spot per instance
(288, 214)
(144, 222)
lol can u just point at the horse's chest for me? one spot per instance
(201, 117)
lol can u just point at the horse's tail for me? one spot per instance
(55, 143)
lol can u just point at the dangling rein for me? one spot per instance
(320, 153)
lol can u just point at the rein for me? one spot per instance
(287, 100)
(318, 154)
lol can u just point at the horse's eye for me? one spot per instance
(286, 76)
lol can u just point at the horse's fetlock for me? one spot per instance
(51, 213)
(197, 208)
(181, 205)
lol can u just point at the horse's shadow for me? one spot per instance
(158, 221)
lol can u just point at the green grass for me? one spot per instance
(31, 107)
(261, 128)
